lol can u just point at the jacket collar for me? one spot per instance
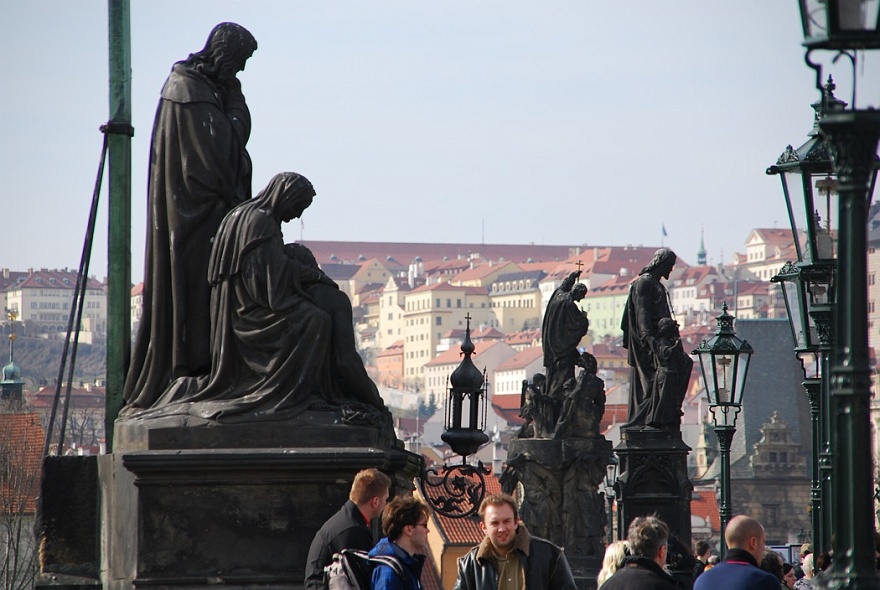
(740, 555)
(522, 543)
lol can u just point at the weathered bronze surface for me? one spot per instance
(661, 369)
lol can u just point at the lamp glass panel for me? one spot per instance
(724, 377)
(814, 17)
(857, 15)
(708, 371)
(825, 222)
(791, 188)
(797, 315)
(741, 370)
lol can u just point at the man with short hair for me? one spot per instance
(703, 551)
(739, 570)
(350, 527)
(405, 526)
(509, 558)
(648, 538)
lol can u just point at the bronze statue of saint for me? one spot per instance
(282, 339)
(199, 170)
(563, 328)
(648, 349)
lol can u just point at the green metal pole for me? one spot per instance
(853, 136)
(119, 231)
(725, 509)
(813, 388)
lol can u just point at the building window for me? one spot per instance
(439, 320)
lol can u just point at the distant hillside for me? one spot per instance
(40, 359)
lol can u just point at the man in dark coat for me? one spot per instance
(199, 170)
(563, 328)
(509, 558)
(648, 538)
(739, 570)
(350, 527)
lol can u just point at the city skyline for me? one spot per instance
(503, 123)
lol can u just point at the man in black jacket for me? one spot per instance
(647, 538)
(509, 558)
(350, 527)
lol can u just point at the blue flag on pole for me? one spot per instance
(663, 226)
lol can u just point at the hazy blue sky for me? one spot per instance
(553, 122)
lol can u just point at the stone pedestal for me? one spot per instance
(653, 479)
(188, 506)
(556, 481)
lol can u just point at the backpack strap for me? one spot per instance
(390, 561)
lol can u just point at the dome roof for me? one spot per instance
(467, 376)
(11, 373)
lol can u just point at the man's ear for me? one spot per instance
(482, 526)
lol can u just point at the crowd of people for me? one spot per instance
(641, 561)
(510, 558)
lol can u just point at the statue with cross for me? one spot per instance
(565, 324)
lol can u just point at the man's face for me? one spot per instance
(420, 534)
(666, 268)
(789, 579)
(499, 525)
(377, 505)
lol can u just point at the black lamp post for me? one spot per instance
(845, 26)
(458, 490)
(610, 479)
(724, 362)
(810, 187)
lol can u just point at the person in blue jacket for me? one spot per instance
(739, 570)
(405, 526)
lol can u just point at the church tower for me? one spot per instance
(701, 253)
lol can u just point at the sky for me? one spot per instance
(497, 121)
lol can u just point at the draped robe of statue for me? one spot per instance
(279, 344)
(647, 304)
(199, 170)
(563, 328)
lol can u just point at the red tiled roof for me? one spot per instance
(704, 504)
(137, 289)
(80, 397)
(453, 354)
(55, 279)
(524, 337)
(521, 359)
(406, 252)
(21, 446)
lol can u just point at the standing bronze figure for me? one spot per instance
(660, 369)
(199, 170)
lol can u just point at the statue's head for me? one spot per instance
(589, 363)
(228, 48)
(578, 291)
(662, 263)
(287, 195)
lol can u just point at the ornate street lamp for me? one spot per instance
(459, 489)
(809, 185)
(610, 479)
(724, 362)
(806, 289)
(846, 26)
